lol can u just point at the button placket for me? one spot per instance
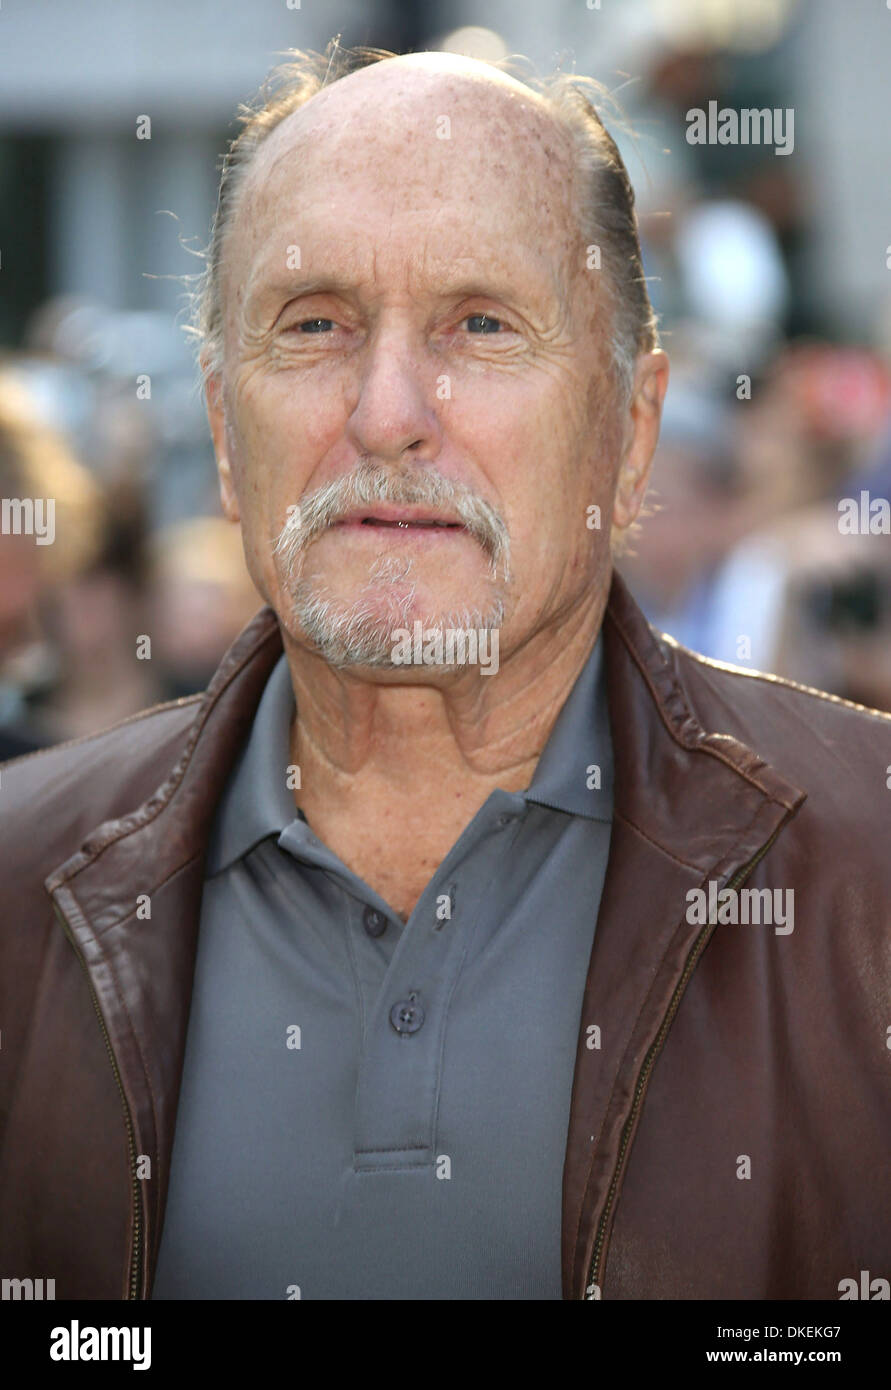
(399, 1073)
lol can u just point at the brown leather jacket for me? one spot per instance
(729, 1136)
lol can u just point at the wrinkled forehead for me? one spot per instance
(482, 149)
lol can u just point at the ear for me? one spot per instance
(216, 419)
(641, 436)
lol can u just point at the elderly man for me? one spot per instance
(466, 938)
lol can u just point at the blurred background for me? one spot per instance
(771, 274)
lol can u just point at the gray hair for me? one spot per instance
(607, 213)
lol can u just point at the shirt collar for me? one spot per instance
(257, 800)
(574, 772)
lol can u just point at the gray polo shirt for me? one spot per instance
(379, 1109)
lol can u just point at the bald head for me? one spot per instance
(432, 117)
(435, 153)
(398, 86)
(455, 124)
(398, 96)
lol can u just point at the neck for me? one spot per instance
(443, 736)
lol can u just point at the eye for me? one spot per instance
(315, 325)
(483, 323)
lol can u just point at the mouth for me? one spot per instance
(400, 519)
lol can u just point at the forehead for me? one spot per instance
(433, 166)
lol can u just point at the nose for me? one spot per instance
(393, 415)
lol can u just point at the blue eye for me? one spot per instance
(316, 325)
(485, 323)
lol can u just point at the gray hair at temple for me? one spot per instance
(607, 214)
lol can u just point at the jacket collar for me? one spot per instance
(689, 804)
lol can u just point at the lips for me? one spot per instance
(401, 518)
(379, 521)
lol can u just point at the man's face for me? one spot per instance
(408, 302)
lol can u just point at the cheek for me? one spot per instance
(547, 462)
(518, 428)
(306, 411)
(283, 429)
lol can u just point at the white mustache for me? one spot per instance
(371, 482)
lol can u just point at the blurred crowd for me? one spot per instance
(746, 552)
(778, 417)
(122, 609)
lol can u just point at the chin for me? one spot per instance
(365, 628)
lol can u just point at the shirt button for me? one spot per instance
(375, 922)
(407, 1016)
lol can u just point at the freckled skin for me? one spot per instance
(412, 235)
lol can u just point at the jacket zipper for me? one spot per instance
(136, 1189)
(598, 1256)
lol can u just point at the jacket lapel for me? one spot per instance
(140, 966)
(689, 806)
